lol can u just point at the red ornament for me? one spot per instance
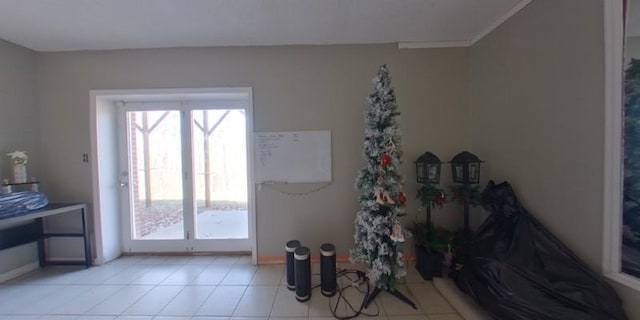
(386, 159)
(402, 199)
(440, 199)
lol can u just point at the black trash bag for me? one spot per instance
(519, 270)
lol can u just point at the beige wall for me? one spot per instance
(295, 88)
(18, 106)
(18, 127)
(537, 108)
(537, 115)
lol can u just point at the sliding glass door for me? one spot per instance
(220, 162)
(184, 178)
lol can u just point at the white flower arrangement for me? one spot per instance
(19, 158)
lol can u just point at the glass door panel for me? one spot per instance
(220, 173)
(155, 174)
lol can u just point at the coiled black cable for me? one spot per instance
(351, 279)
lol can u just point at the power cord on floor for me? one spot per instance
(351, 279)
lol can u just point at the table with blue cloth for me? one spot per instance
(22, 221)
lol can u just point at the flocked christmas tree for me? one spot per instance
(378, 235)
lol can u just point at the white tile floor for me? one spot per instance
(201, 287)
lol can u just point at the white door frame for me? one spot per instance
(193, 97)
(614, 41)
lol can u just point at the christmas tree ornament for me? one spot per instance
(391, 147)
(397, 234)
(387, 198)
(402, 199)
(386, 159)
(440, 199)
(379, 199)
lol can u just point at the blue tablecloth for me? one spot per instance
(20, 203)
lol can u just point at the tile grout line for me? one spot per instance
(273, 303)
(192, 315)
(203, 301)
(238, 303)
(177, 267)
(131, 305)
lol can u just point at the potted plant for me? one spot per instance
(430, 243)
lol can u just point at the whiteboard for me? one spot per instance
(293, 156)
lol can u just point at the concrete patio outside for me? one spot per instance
(210, 224)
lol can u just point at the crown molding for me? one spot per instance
(466, 43)
(500, 20)
(439, 44)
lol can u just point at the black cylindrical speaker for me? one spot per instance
(289, 249)
(303, 274)
(328, 269)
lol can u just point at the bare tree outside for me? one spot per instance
(219, 168)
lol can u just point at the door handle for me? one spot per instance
(124, 184)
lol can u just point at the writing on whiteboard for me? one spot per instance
(293, 156)
(267, 143)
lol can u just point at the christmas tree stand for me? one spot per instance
(392, 292)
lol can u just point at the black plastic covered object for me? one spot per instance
(519, 270)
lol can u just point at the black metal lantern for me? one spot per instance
(428, 168)
(465, 168)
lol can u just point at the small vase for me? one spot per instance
(19, 174)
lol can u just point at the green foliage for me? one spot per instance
(466, 195)
(431, 238)
(430, 195)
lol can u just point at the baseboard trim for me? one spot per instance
(19, 271)
(283, 259)
(65, 259)
(316, 258)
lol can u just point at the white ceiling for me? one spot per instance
(65, 25)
